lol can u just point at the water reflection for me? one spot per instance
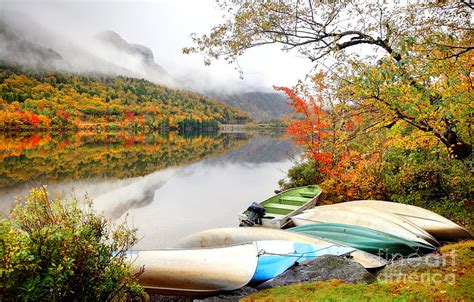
(82, 160)
(170, 186)
(44, 157)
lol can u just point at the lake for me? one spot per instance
(169, 185)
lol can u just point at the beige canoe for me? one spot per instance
(365, 217)
(196, 271)
(227, 236)
(438, 226)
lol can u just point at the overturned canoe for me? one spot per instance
(396, 219)
(196, 271)
(229, 236)
(438, 226)
(276, 256)
(210, 270)
(365, 217)
(365, 239)
(280, 207)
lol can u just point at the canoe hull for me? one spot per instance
(372, 241)
(196, 271)
(368, 218)
(228, 236)
(276, 256)
(438, 226)
(395, 219)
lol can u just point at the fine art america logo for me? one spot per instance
(417, 269)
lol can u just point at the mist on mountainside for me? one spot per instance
(33, 46)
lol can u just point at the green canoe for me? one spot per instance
(282, 206)
(365, 239)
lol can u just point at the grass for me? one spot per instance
(452, 282)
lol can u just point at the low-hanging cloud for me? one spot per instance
(69, 27)
(32, 45)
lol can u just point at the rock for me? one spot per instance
(403, 267)
(234, 295)
(323, 268)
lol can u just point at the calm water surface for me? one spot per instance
(169, 185)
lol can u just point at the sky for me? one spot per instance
(165, 27)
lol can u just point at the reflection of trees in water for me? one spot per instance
(48, 157)
(258, 149)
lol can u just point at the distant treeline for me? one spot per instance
(59, 100)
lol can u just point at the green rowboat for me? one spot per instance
(365, 239)
(282, 206)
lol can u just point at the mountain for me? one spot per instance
(114, 39)
(261, 106)
(22, 52)
(30, 47)
(134, 56)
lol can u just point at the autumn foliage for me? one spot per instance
(55, 100)
(311, 129)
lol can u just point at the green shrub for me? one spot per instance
(54, 250)
(425, 178)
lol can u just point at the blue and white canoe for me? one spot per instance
(210, 270)
(276, 256)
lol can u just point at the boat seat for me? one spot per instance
(308, 194)
(274, 216)
(282, 206)
(294, 198)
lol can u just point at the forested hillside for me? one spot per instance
(48, 100)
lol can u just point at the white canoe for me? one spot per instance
(229, 236)
(365, 217)
(196, 271)
(438, 226)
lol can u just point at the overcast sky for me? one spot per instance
(165, 26)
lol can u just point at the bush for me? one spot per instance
(425, 178)
(53, 250)
(420, 176)
(356, 176)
